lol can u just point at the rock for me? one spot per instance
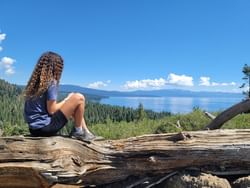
(243, 182)
(202, 180)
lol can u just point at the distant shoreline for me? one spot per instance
(174, 105)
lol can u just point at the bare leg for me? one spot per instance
(84, 125)
(74, 106)
(79, 116)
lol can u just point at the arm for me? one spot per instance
(53, 106)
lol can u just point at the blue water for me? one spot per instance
(174, 104)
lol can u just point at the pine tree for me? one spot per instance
(246, 78)
(141, 113)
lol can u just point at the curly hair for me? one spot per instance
(48, 68)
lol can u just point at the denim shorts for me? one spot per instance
(58, 121)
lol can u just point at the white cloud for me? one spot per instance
(205, 81)
(10, 71)
(99, 84)
(147, 83)
(180, 80)
(7, 64)
(229, 84)
(173, 79)
(2, 37)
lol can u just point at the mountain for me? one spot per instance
(104, 93)
(187, 93)
(142, 93)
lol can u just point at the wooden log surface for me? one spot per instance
(41, 162)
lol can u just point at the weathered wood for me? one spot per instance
(209, 115)
(228, 114)
(40, 162)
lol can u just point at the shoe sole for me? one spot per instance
(98, 138)
(79, 138)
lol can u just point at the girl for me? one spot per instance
(42, 112)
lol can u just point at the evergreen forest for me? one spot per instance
(111, 122)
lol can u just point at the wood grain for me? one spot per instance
(42, 162)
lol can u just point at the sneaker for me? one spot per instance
(89, 136)
(84, 136)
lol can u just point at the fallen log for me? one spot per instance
(42, 162)
(228, 114)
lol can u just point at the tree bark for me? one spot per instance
(41, 162)
(228, 114)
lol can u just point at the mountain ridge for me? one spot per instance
(145, 93)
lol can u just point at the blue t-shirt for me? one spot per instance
(35, 109)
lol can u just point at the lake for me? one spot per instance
(174, 104)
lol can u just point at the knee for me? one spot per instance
(80, 97)
(77, 98)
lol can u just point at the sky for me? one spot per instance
(127, 45)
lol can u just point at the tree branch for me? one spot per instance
(228, 114)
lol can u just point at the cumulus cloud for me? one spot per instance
(147, 83)
(172, 79)
(7, 64)
(99, 84)
(205, 81)
(180, 80)
(2, 37)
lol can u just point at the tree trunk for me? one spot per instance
(228, 114)
(41, 162)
